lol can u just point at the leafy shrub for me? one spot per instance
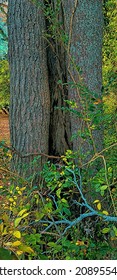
(47, 221)
(4, 83)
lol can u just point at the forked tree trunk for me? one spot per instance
(36, 125)
(29, 88)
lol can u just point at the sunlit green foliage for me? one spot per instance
(4, 83)
(110, 46)
(110, 74)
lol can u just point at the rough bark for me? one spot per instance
(59, 119)
(29, 88)
(36, 125)
(84, 24)
(57, 71)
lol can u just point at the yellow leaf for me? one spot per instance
(64, 159)
(5, 217)
(11, 199)
(105, 212)
(22, 212)
(80, 243)
(15, 197)
(17, 234)
(19, 192)
(8, 244)
(1, 187)
(9, 155)
(1, 227)
(99, 206)
(87, 119)
(16, 244)
(14, 203)
(19, 252)
(96, 201)
(25, 215)
(10, 231)
(22, 189)
(113, 238)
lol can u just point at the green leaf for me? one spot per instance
(64, 200)
(51, 244)
(103, 188)
(59, 82)
(39, 216)
(66, 211)
(105, 230)
(26, 249)
(7, 254)
(58, 192)
(102, 193)
(115, 230)
(18, 220)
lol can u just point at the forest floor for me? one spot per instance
(4, 135)
(4, 128)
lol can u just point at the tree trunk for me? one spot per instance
(29, 88)
(37, 125)
(84, 25)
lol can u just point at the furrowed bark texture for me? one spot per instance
(36, 124)
(30, 100)
(57, 70)
(84, 24)
(59, 119)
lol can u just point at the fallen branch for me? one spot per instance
(90, 211)
(14, 151)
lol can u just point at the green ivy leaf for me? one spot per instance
(103, 188)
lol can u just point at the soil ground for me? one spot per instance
(4, 128)
(4, 135)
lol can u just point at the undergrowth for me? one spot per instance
(69, 215)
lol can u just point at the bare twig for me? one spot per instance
(97, 155)
(14, 151)
(71, 25)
